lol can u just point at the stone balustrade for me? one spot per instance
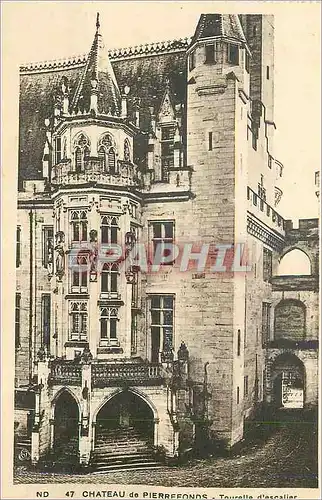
(65, 372)
(107, 374)
(94, 171)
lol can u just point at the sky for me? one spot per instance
(37, 31)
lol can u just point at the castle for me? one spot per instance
(155, 145)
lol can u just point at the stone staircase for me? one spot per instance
(66, 454)
(121, 449)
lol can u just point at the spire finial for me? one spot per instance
(97, 21)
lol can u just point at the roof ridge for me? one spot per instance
(114, 53)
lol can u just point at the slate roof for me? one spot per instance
(145, 72)
(211, 25)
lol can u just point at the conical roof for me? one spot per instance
(98, 75)
(211, 25)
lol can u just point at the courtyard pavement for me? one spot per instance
(285, 458)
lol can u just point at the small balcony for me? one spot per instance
(106, 374)
(111, 374)
(94, 171)
(65, 372)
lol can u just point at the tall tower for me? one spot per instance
(218, 105)
(93, 178)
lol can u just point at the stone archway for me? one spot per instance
(288, 382)
(66, 425)
(126, 410)
(124, 430)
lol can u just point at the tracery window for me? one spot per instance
(106, 151)
(108, 322)
(109, 278)
(78, 321)
(78, 220)
(109, 230)
(79, 274)
(81, 152)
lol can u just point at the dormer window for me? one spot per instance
(233, 54)
(210, 54)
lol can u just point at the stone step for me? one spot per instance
(115, 453)
(130, 458)
(106, 455)
(100, 469)
(116, 444)
(111, 452)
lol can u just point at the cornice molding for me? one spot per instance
(263, 233)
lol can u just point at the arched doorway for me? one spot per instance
(123, 413)
(288, 382)
(66, 425)
(124, 432)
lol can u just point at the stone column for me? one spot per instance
(156, 422)
(40, 436)
(85, 435)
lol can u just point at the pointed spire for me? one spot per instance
(98, 84)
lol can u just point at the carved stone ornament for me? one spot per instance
(166, 106)
(183, 353)
(41, 354)
(86, 356)
(60, 261)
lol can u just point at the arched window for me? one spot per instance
(78, 321)
(105, 278)
(102, 157)
(127, 150)
(109, 278)
(289, 323)
(114, 230)
(78, 160)
(108, 324)
(87, 154)
(105, 230)
(111, 161)
(106, 152)
(79, 274)
(114, 277)
(81, 152)
(294, 263)
(79, 225)
(109, 230)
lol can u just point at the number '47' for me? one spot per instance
(69, 493)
